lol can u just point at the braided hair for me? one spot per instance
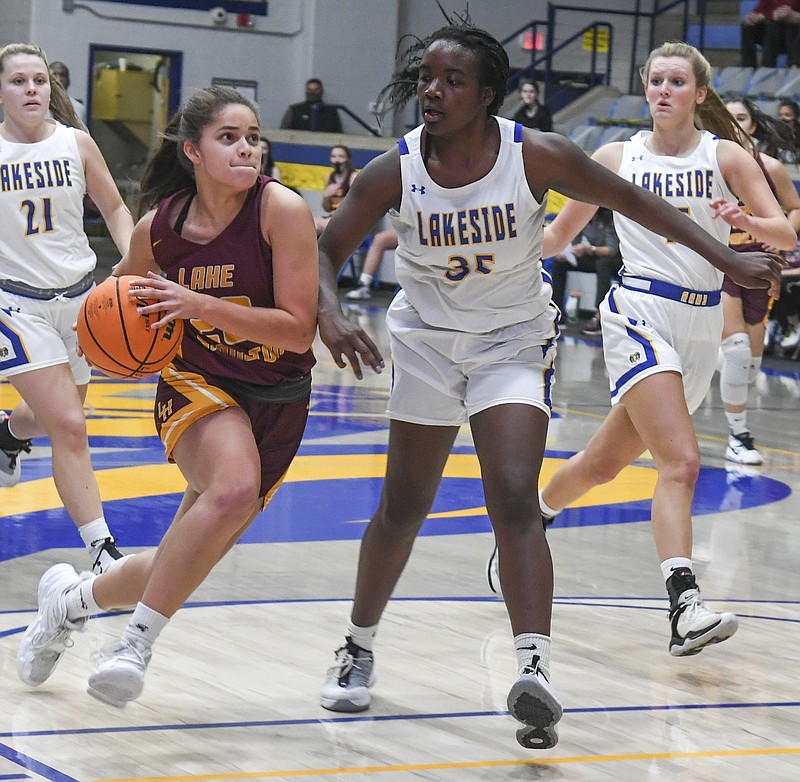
(493, 65)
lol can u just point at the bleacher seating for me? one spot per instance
(765, 82)
(613, 119)
(587, 136)
(791, 86)
(615, 133)
(759, 84)
(733, 80)
(628, 107)
(715, 36)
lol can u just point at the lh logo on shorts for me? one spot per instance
(164, 410)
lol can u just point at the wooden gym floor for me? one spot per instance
(232, 691)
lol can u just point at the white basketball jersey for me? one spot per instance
(688, 183)
(469, 258)
(42, 185)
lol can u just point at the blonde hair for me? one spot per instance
(61, 107)
(712, 114)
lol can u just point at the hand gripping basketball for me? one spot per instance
(117, 339)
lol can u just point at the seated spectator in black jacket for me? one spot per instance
(313, 113)
(596, 250)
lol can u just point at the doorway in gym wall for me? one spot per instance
(132, 94)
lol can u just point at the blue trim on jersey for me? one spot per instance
(401, 143)
(666, 290)
(21, 356)
(517, 132)
(651, 360)
(612, 304)
(549, 374)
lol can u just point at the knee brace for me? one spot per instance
(755, 368)
(734, 374)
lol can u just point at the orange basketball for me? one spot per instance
(117, 339)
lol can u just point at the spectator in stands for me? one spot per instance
(783, 328)
(595, 250)
(532, 113)
(268, 165)
(381, 242)
(313, 113)
(338, 183)
(789, 112)
(61, 72)
(774, 25)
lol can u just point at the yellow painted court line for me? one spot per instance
(310, 772)
(148, 480)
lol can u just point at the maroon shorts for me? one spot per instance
(755, 303)
(183, 397)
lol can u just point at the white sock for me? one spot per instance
(94, 533)
(545, 508)
(737, 421)
(80, 600)
(361, 636)
(669, 566)
(144, 626)
(532, 648)
(364, 280)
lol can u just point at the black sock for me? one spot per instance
(679, 582)
(7, 440)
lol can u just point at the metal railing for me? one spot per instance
(355, 118)
(548, 27)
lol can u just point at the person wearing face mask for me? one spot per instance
(313, 113)
(338, 183)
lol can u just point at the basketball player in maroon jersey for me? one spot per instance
(234, 254)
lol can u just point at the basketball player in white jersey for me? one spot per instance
(472, 336)
(662, 326)
(46, 271)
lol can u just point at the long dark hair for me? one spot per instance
(61, 107)
(774, 136)
(169, 170)
(267, 161)
(493, 66)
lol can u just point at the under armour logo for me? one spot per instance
(637, 157)
(418, 189)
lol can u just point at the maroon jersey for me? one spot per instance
(742, 241)
(755, 302)
(235, 266)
